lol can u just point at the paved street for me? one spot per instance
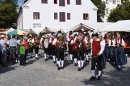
(41, 73)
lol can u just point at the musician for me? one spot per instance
(70, 40)
(74, 51)
(42, 44)
(36, 44)
(120, 56)
(60, 49)
(30, 46)
(79, 47)
(52, 46)
(88, 46)
(96, 52)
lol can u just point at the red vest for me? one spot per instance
(52, 39)
(70, 40)
(56, 47)
(76, 45)
(96, 47)
(43, 41)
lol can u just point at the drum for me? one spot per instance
(46, 43)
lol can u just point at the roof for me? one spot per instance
(82, 26)
(123, 25)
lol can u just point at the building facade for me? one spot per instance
(110, 5)
(56, 14)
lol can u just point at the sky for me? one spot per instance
(20, 2)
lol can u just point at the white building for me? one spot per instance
(110, 5)
(56, 14)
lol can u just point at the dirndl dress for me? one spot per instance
(120, 56)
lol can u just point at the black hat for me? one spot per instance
(59, 32)
(80, 31)
(52, 33)
(86, 34)
(70, 32)
(44, 33)
(95, 34)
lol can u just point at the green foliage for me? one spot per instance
(121, 12)
(101, 9)
(8, 13)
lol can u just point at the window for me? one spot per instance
(62, 16)
(55, 1)
(85, 16)
(68, 1)
(44, 1)
(78, 2)
(68, 16)
(55, 16)
(36, 25)
(36, 15)
(107, 1)
(107, 10)
(114, 1)
(61, 2)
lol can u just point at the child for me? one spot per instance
(22, 54)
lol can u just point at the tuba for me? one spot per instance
(30, 44)
(60, 44)
(36, 43)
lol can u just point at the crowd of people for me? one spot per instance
(101, 49)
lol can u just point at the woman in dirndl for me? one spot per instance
(112, 42)
(120, 57)
(106, 51)
(103, 62)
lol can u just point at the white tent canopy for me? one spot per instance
(123, 25)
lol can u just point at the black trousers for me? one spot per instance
(86, 51)
(70, 49)
(26, 52)
(45, 50)
(60, 54)
(36, 50)
(79, 54)
(53, 50)
(96, 60)
(30, 50)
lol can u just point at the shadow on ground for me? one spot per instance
(6, 69)
(112, 78)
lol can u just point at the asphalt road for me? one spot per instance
(45, 73)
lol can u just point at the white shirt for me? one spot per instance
(54, 41)
(123, 43)
(13, 42)
(86, 41)
(68, 39)
(113, 41)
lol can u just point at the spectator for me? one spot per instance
(25, 43)
(4, 51)
(13, 47)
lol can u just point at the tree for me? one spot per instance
(101, 9)
(8, 13)
(121, 12)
